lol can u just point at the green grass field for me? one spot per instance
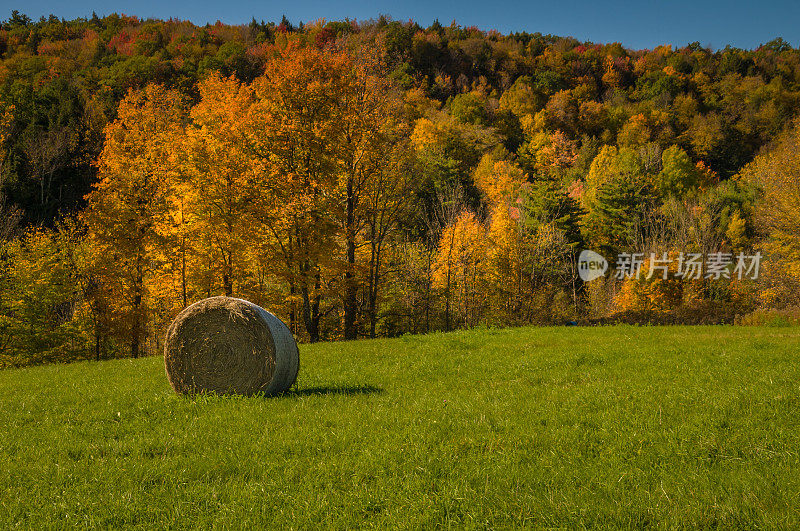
(533, 427)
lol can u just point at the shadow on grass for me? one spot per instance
(325, 390)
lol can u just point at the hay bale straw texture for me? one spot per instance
(230, 346)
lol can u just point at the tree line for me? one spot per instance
(366, 179)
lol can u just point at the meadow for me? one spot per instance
(613, 426)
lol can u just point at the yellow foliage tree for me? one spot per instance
(459, 268)
(502, 186)
(648, 292)
(777, 174)
(124, 209)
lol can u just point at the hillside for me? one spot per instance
(562, 427)
(63, 79)
(377, 178)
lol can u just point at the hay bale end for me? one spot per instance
(230, 346)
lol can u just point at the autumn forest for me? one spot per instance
(377, 178)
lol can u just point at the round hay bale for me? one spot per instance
(230, 346)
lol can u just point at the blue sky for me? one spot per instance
(637, 24)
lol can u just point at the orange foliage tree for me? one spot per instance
(131, 199)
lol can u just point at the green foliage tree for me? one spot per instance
(678, 175)
(41, 318)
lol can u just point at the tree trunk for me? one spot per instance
(350, 294)
(227, 285)
(311, 311)
(227, 271)
(350, 287)
(136, 329)
(293, 312)
(183, 271)
(447, 305)
(374, 278)
(428, 286)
